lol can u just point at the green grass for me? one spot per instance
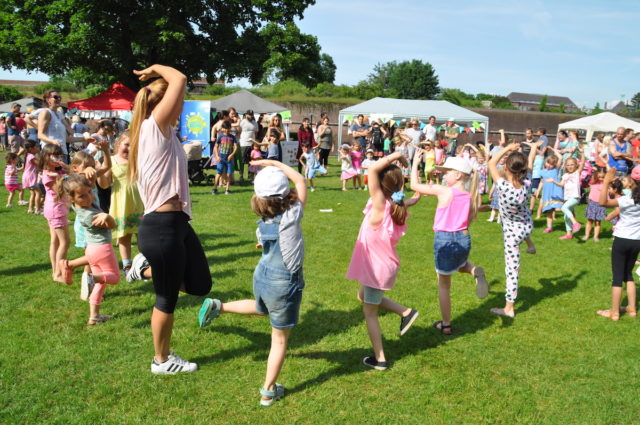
(556, 363)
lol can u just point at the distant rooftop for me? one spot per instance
(535, 99)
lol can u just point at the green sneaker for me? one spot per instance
(207, 312)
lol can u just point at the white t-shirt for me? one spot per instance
(249, 130)
(430, 132)
(571, 185)
(414, 134)
(629, 225)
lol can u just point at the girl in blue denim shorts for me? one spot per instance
(457, 207)
(278, 280)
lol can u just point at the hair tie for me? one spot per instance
(66, 176)
(398, 196)
(147, 88)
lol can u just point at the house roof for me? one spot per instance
(537, 98)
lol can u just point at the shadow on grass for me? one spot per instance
(31, 268)
(349, 361)
(307, 332)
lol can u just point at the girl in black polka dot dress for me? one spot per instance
(517, 225)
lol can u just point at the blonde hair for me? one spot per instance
(476, 200)
(68, 185)
(123, 136)
(146, 100)
(82, 159)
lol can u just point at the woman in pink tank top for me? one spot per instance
(456, 209)
(375, 262)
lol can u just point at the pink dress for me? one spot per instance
(55, 211)
(374, 262)
(30, 175)
(356, 160)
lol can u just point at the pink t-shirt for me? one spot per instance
(571, 185)
(30, 175)
(53, 209)
(356, 159)
(162, 168)
(455, 216)
(594, 192)
(374, 262)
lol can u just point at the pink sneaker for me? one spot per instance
(547, 230)
(566, 237)
(576, 227)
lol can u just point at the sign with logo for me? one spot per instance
(195, 123)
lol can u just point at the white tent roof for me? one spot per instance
(421, 109)
(606, 122)
(244, 100)
(405, 108)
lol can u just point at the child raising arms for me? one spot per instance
(457, 207)
(278, 280)
(375, 262)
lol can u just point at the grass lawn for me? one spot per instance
(556, 363)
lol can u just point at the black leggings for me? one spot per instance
(324, 157)
(176, 257)
(624, 254)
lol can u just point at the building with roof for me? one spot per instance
(201, 84)
(531, 102)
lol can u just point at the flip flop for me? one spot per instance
(502, 313)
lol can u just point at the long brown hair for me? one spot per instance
(392, 181)
(66, 186)
(45, 155)
(516, 163)
(269, 208)
(146, 100)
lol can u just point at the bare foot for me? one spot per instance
(628, 311)
(608, 315)
(585, 238)
(503, 312)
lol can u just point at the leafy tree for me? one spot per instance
(414, 80)
(596, 109)
(502, 102)
(458, 97)
(100, 41)
(635, 102)
(484, 96)
(326, 69)
(9, 93)
(543, 103)
(381, 74)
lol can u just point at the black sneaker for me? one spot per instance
(407, 321)
(374, 364)
(214, 191)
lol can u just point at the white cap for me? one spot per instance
(456, 163)
(271, 182)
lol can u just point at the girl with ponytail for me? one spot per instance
(458, 203)
(168, 245)
(375, 262)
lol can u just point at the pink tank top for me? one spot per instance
(374, 262)
(455, 216)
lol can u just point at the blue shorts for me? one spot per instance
(225, 166)
(451, 251)
(311, 172)
(278, 293)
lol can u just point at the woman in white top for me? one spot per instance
(169, 246)
(53, 127)
(248, 135)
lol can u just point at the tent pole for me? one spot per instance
(486, 135)
(340, 119)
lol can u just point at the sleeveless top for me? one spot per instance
(56, 129)
(620, 164)
(455, 216)
(375, 262)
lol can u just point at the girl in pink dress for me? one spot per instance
(256, 154)
(375, 262)
(356, 160)
(30, 176)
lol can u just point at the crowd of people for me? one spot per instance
(125, 182)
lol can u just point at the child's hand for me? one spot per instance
(89, 172)
(103, 146)
(101, 220)
(513, 147)
(610, 176)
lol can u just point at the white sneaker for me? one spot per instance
(174, 364)
(86, 286)
(313, 189)
(138, 264)
(23, 203)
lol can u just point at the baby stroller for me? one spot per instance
(196, 164)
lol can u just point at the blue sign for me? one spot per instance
(195, 122)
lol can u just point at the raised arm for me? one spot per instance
(168, 110)
(375, 189)
(493, 162)
(296, 178)
(532, 153)
(416, 185)
(604, 193)
(581, 161)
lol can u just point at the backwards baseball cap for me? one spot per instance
(456, 163)
(635, 173)
(271, 182)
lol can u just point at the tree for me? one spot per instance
(9, 93)
(635, 102)
(414, 80)
(543, 103)
(100, 41)
(381, 74)
(596, 109)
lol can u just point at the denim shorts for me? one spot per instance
(451, 250)
(278, 293)
(225, 166)
(372, 295)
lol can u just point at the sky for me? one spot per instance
(585, 50)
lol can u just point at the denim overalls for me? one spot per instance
(278, 291)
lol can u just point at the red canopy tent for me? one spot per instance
(118, 97)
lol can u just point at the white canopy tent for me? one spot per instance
(606, 122)
(422, 109)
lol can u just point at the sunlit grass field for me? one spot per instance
(556, 363)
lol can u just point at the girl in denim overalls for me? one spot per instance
(457, 207)
(278, 279)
